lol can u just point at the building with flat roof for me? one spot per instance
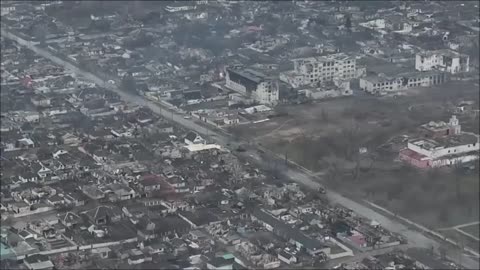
(312, 246)
(443, 144)
(445, 60)
(253, 84)
(312, 70)
(380, 84)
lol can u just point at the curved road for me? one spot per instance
(413, 237)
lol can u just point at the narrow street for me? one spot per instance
(298, 175)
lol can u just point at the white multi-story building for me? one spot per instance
(445, 145)
(313, 70)
(384, 84)
(446, 60)
(253, 84)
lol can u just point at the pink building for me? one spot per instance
(443, 144)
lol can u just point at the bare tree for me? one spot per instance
(325, 116)
(349, 139)
(40, 32)
(236, 170)
(333, 169)
(457, 174)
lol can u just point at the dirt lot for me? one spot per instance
(326, 137)
(472, 229)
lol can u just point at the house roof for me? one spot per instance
(151, 180)
(55, 198)
(99, 212)
(36, 258)
(70, 217)
(200, 217)
(191, 136)
(287, 231)
(220, 261)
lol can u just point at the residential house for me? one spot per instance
(40, 101)
(25, 143)
(93, 192)
(69, 219)
(194, 138)
(102, 215)
(151, 183)
(38, 262)
(121, 192)
(312, 246)
(41, 170)
(27, 176)
(287, 257)
(56, 200)
(74, 198)
(220, 263)
(71, 140)
(19, 207)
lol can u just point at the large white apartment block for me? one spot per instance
(252, 84)
(445, 60)
(313, 70)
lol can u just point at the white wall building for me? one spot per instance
(439, 151)
(384, 84)
(252, 84)
(446, 60)
(313, 70)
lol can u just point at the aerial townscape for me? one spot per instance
(219, 134)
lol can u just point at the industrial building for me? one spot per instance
(253, 84)
(313, 70)
(381, 84)
(445, 60)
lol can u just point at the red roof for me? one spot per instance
(412, 154)
(151, 180)
(358, 239)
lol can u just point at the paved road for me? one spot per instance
(414, 238)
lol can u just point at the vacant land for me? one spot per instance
(462, 239)
(472, 229)
(326, 137)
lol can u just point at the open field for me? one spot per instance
(326, 136)
(463, 239)
(313, 132)
(472, 229)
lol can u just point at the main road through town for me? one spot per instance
(294, 173)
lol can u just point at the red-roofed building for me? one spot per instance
(442, 144)
(414, 158)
